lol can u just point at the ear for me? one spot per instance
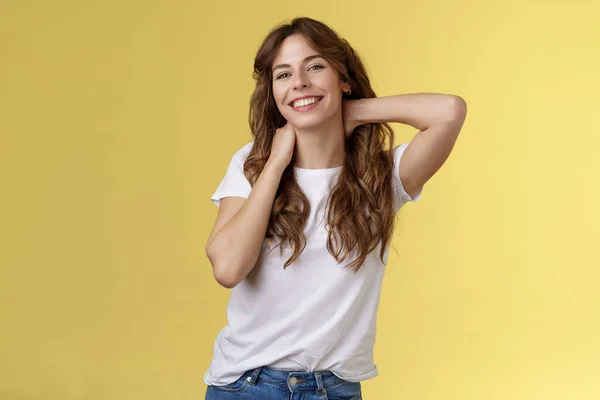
(345, 87)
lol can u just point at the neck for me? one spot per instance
(320, 147)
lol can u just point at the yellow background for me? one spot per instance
(119, 119)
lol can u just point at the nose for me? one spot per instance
(301, 81)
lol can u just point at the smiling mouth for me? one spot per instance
(305, 102)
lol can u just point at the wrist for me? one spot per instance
(359, 112)
(350, 116)
(274, 166)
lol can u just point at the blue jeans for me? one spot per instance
(264, 383)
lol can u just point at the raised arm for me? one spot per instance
(236, 239)
(439, 118)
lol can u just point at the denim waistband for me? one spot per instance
(294, 379)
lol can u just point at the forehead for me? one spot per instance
(293, 50)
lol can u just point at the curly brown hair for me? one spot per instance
(361, 205)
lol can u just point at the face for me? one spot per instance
(306, 88)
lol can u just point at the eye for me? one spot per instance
(315, 67)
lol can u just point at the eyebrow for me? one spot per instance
(305, 60)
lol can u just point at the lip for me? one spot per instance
(304, 97)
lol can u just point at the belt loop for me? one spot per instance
(255, 375)
(320, 388)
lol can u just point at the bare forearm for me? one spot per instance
(235, 248)
(419, 110)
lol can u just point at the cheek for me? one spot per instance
(279, 97)
(278, 92)
(334, 88)
(331, 80)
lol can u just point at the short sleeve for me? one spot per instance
(400, 195)
(234, 183)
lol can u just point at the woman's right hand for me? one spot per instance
(282, 148)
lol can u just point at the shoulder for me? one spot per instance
(402, 196)
(241, 154)
(245, 150)
(398, 150)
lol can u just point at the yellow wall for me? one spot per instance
(120, 117)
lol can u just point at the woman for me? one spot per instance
(318, 185)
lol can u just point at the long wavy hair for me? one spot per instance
(360, 206)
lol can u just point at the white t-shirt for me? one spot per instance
(316, 315)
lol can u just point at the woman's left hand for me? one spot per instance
(348, 118)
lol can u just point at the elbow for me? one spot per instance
(224, 279)
(221, 274)
(457, 109)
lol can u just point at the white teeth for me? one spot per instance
(305, 102)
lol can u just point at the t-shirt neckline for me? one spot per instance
(318, 170)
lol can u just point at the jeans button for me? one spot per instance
(293, 381)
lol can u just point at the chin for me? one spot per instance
(308, 121)
(313, 123)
